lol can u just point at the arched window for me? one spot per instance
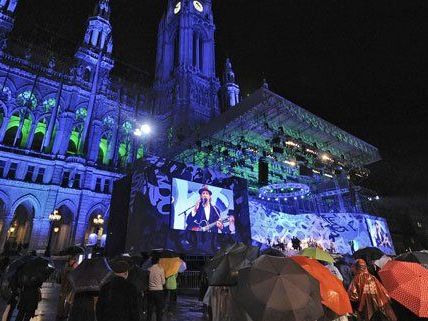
(27, 99)
(39, 134)
(49, 104)
(198, 47)
(176, 50)
(75, 139)
(87, 74)
(18, 129)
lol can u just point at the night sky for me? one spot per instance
(361, 65)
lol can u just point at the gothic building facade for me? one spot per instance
(66, 125)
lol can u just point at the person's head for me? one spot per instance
(155, 259)
(205, 193)
(360, 266)
(120, 267)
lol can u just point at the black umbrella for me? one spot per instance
(222, 268)
(368, 254)
(139, 277)
(278, 289)
(90, 275)
(35, 271)
(73, 250)
(417, 257)
(272, 252)
(15, 266)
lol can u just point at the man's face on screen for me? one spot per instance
(206, 195)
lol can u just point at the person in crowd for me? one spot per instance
(66, 292)
(29, 298)
(171, 292)
(345, 271)
(156, 294)
(369, 296)
(83, 306)
(118, 298)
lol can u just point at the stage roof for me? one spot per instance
(266, 115)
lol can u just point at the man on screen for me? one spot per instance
(206, 216)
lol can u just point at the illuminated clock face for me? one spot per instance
(177, 7)
(198, 6)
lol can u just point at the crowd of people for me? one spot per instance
(130, 293)
(138, 290)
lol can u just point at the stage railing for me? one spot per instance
(189, 280)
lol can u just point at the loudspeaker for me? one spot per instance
(263, 172)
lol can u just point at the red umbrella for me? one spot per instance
(407, 283)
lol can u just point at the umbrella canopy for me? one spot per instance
(278, 289)
(368, 254)
(222, 268)
(90, 275)
(272, 252)
(73, 250)
(35, 271)
(15, 266)
(333, 294)
(317, 254)
(420, 257)
(407, 283)
(170, 265)
(139, 277)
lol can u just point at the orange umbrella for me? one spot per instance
(333, 294)
(170, 265)
(407, 283)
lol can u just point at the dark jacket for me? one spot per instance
(118, 300)
(199, 220)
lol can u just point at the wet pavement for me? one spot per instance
(188, 307)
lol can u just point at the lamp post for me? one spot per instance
(55, 216)
(143, 131)
(99, 222)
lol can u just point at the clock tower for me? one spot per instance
(186, 87)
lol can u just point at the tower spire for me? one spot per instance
(230, 88)
(97, 41)
(7, 12)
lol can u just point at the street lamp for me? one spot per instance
(55, 216)
(143, 131)
(99, 222)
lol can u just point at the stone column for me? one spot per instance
(63, 135)
(94, 140)
(3, 127)
(30, 137)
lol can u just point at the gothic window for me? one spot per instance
(29, 174)
(27, 99)
(198, 46)
(65, 178)
(49, 104)
(81, 113)
(76, 181)
(75, 141)
(87, 74)
(176, 50)
(39, 134)
(104, 149)
(40, 175)
(12, 170)
(18, 129)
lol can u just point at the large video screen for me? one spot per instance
(379, 234)
(202, 208)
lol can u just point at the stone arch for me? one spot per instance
(19, 126)
(90, 227)
(30, 198)
(24, 212)
(4, 216)
(63, 229)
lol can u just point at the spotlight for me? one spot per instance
(377, 197)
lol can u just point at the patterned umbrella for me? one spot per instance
(90, 275)
(278, 289)
(317, 254)
(333, 294)
(407, 283)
